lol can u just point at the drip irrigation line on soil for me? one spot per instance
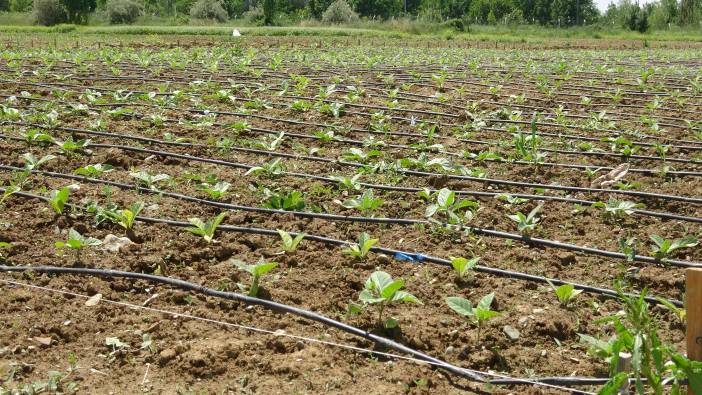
(413, 135)
(543, 382)
(381, 220)
(408, 120)
(401, 96)
(655, 214)
(649, 195)
(104, 133)
(281, 308)
(413, 256)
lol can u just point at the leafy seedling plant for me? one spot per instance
(360, 250)
(126, 217)
(447, 205)
(526, 224)
(58, 199)
(206, 229)
(365, 203)
(565, 293)
(480, 314)
(77, 242)
(289, 243)
(256, 271)
(615, 209)
(31, 162)
(380, 289)
(464, 268)
(4, 246)
(663, 248)
(148, 180)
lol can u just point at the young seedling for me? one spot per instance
(125, 218)
(526, 223)
(360, 250)
(70, 146)
(463, 267)
(4, 246)
(565, 293)
(382, 290)
(206, 229)
(58, 200)
(365, 203)
(291, 201)
(663, 248)
(271, 169)
(256, 272)
(511, 200)
(31, 162)
(289, 244)
(679, 312)
(447, 205)
(617, 208)
(216, 191)
(348, 183)
(93, 171)
(149, 181)
(480, 314)
(9, 191)
(77, 242)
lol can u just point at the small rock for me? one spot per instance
(94, 300)
(167, 355)
(152, 208)
(44, 341)
(383, 259)
(73, 187)
(449, 350)
(116, 244)
(511, 332)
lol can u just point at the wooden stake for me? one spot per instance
(693, 306)
(624, 365)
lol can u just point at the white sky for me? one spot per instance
(602, 4)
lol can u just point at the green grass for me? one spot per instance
(398, 28)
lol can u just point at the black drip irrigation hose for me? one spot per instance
(656, 214)
(408, 172)
(677, 173)
(493, 120)
(403, 221)
(398, 254)
(281, 308)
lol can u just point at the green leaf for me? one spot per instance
(389, 290)
(614, 384)
(264, 268)
(378, 281)
(460, 305)
(445, 198)
(366, 296)
(403, 296)
(486, 301)
(693, 371)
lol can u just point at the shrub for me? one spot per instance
(49, 12)
(254, 15)
(209, 9)
(122, 11)
(339, 12)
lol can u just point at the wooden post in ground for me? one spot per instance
(624, 365)
(693, 306)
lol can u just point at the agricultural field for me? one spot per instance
(346, 219)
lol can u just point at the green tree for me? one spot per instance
(690, 11)
(269, 10)
(77, 10)
(379, 8)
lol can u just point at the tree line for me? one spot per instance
(458, 13)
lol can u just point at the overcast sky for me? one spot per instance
(602, 4)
